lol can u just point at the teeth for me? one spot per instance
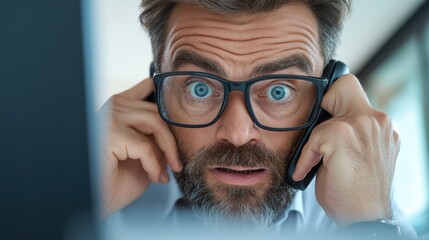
(228, 170)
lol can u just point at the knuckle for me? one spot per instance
(148, 155)
(382, 118)
(146, 149)
(352, 78)
(118, 152)
(116, 103)
(342, 128)
(116, 98)
(397, 139)
(363, 120)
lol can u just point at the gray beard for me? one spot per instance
(241, 208)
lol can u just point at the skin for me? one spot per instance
(358, 144)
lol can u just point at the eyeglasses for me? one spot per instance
(274, 102)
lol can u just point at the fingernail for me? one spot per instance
(165, 178)
(179, 165)
(295, 176)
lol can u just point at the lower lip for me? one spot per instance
(239, 179)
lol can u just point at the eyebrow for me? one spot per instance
(184, 57)
(299, 61)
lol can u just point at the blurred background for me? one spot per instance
(61, 60)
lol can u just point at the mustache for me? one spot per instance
(227, 154)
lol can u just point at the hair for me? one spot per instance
(330, 15)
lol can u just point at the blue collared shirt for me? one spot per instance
(159, 213)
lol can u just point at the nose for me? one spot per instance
(235, 125)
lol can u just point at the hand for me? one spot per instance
(137, 147)
(359, 150)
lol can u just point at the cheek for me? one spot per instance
(190, 140)
(282, 142)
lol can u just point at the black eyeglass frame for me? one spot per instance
(321, 84)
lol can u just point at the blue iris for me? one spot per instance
(200, 90)
(278, 92)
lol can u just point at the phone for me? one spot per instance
(152, 71)
(332, 72)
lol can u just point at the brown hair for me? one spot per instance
(330, 15)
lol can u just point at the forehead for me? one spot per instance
(242, 41)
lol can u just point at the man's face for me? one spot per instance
(234, 168)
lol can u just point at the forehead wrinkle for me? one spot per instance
(270, 50)
(227, 35)
(310, 37)
(263, 33)
(243, 48)
(223, 29)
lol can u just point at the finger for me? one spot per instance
(131, 145)
(152, 124)
(131, 105)
(149, 158)
(310, 157)
(141, 90)
(346, 97)
(164, 178)
(325, 140)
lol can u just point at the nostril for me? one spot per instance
(237, 134)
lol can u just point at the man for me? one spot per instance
(230, 148)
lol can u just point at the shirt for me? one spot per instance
(160, 214)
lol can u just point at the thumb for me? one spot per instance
(346, 97)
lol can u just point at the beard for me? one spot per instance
(219, 204)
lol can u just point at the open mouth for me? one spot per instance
(238, 175)
(229, 170)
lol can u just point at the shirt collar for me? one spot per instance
(297, 203)
(174, 194)
(296, 206)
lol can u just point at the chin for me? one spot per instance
(240, 207)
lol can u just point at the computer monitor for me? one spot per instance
(44, 167)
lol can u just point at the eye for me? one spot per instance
(200, 90)
(278, 92)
